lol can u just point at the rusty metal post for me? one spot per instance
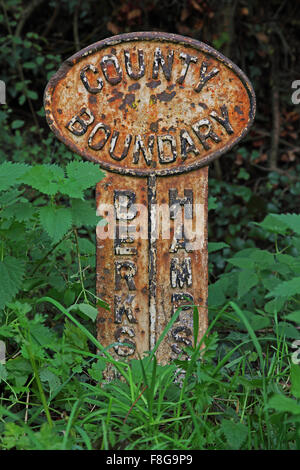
(153, 110)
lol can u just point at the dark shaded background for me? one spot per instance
(259, 176)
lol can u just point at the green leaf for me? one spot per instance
(17, 124)
(295, 380)
(294, 316)
(87, 309)
(11, 274)
(10, 174)
(83, 214)
(47, 179)
(3, 372)
(246, 280)
(56, 221)
(47, 376)
(235, 433)
(216, 292)
(284, 404)
(286, 288)
(287, 330)
(20, 211)
(291, 220)
(215, 246)
(244, 263)
(273, 224)
(212, 203)
(81, 176)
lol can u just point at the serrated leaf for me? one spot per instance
(286, 288)
(216, 292)
(81, 176)
(287, 330)
(42, 334)
(47, 376)
(83, 214)
(273, 224)
(10, 174)
(48, 179)
(291, 220)
(284, 404)
(235, 433)
(56, 221)
(86, 247)
(246, 280)
(21, 211)
(11, 274)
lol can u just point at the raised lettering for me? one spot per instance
(187, 144)
(139, 147)
(187, 60)
(125, 350)
(203, 136)
(170, 139)
(128, 65)
(100, 144)
(125, 270)
(85, 80)
(106, 62)
(78, 125)
(204, 77)
(113, 144)
(224, 119)
(166, 65)
(181, 273)
(124, 307)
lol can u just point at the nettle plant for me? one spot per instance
(45, 243)
(265, 283)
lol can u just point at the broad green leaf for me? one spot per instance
(284, 404)
(11, 274)
(294, 316)
(48, 179)
(216, 292)
(83, 214)
(11, 173)
(286, 288)
(273, 224)
(246, 280)
(81, 176)
(21, 211)
(295, 380)
(56, 221)
(291, 220)
(244, 263)
(215, 246)
(17, 124)
(87, 309)
(235, 433)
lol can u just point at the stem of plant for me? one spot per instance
(79, 265)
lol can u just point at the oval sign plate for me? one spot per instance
(149, 103)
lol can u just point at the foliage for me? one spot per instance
(242, 389)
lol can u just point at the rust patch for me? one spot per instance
(198, 92)
(152, 106)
